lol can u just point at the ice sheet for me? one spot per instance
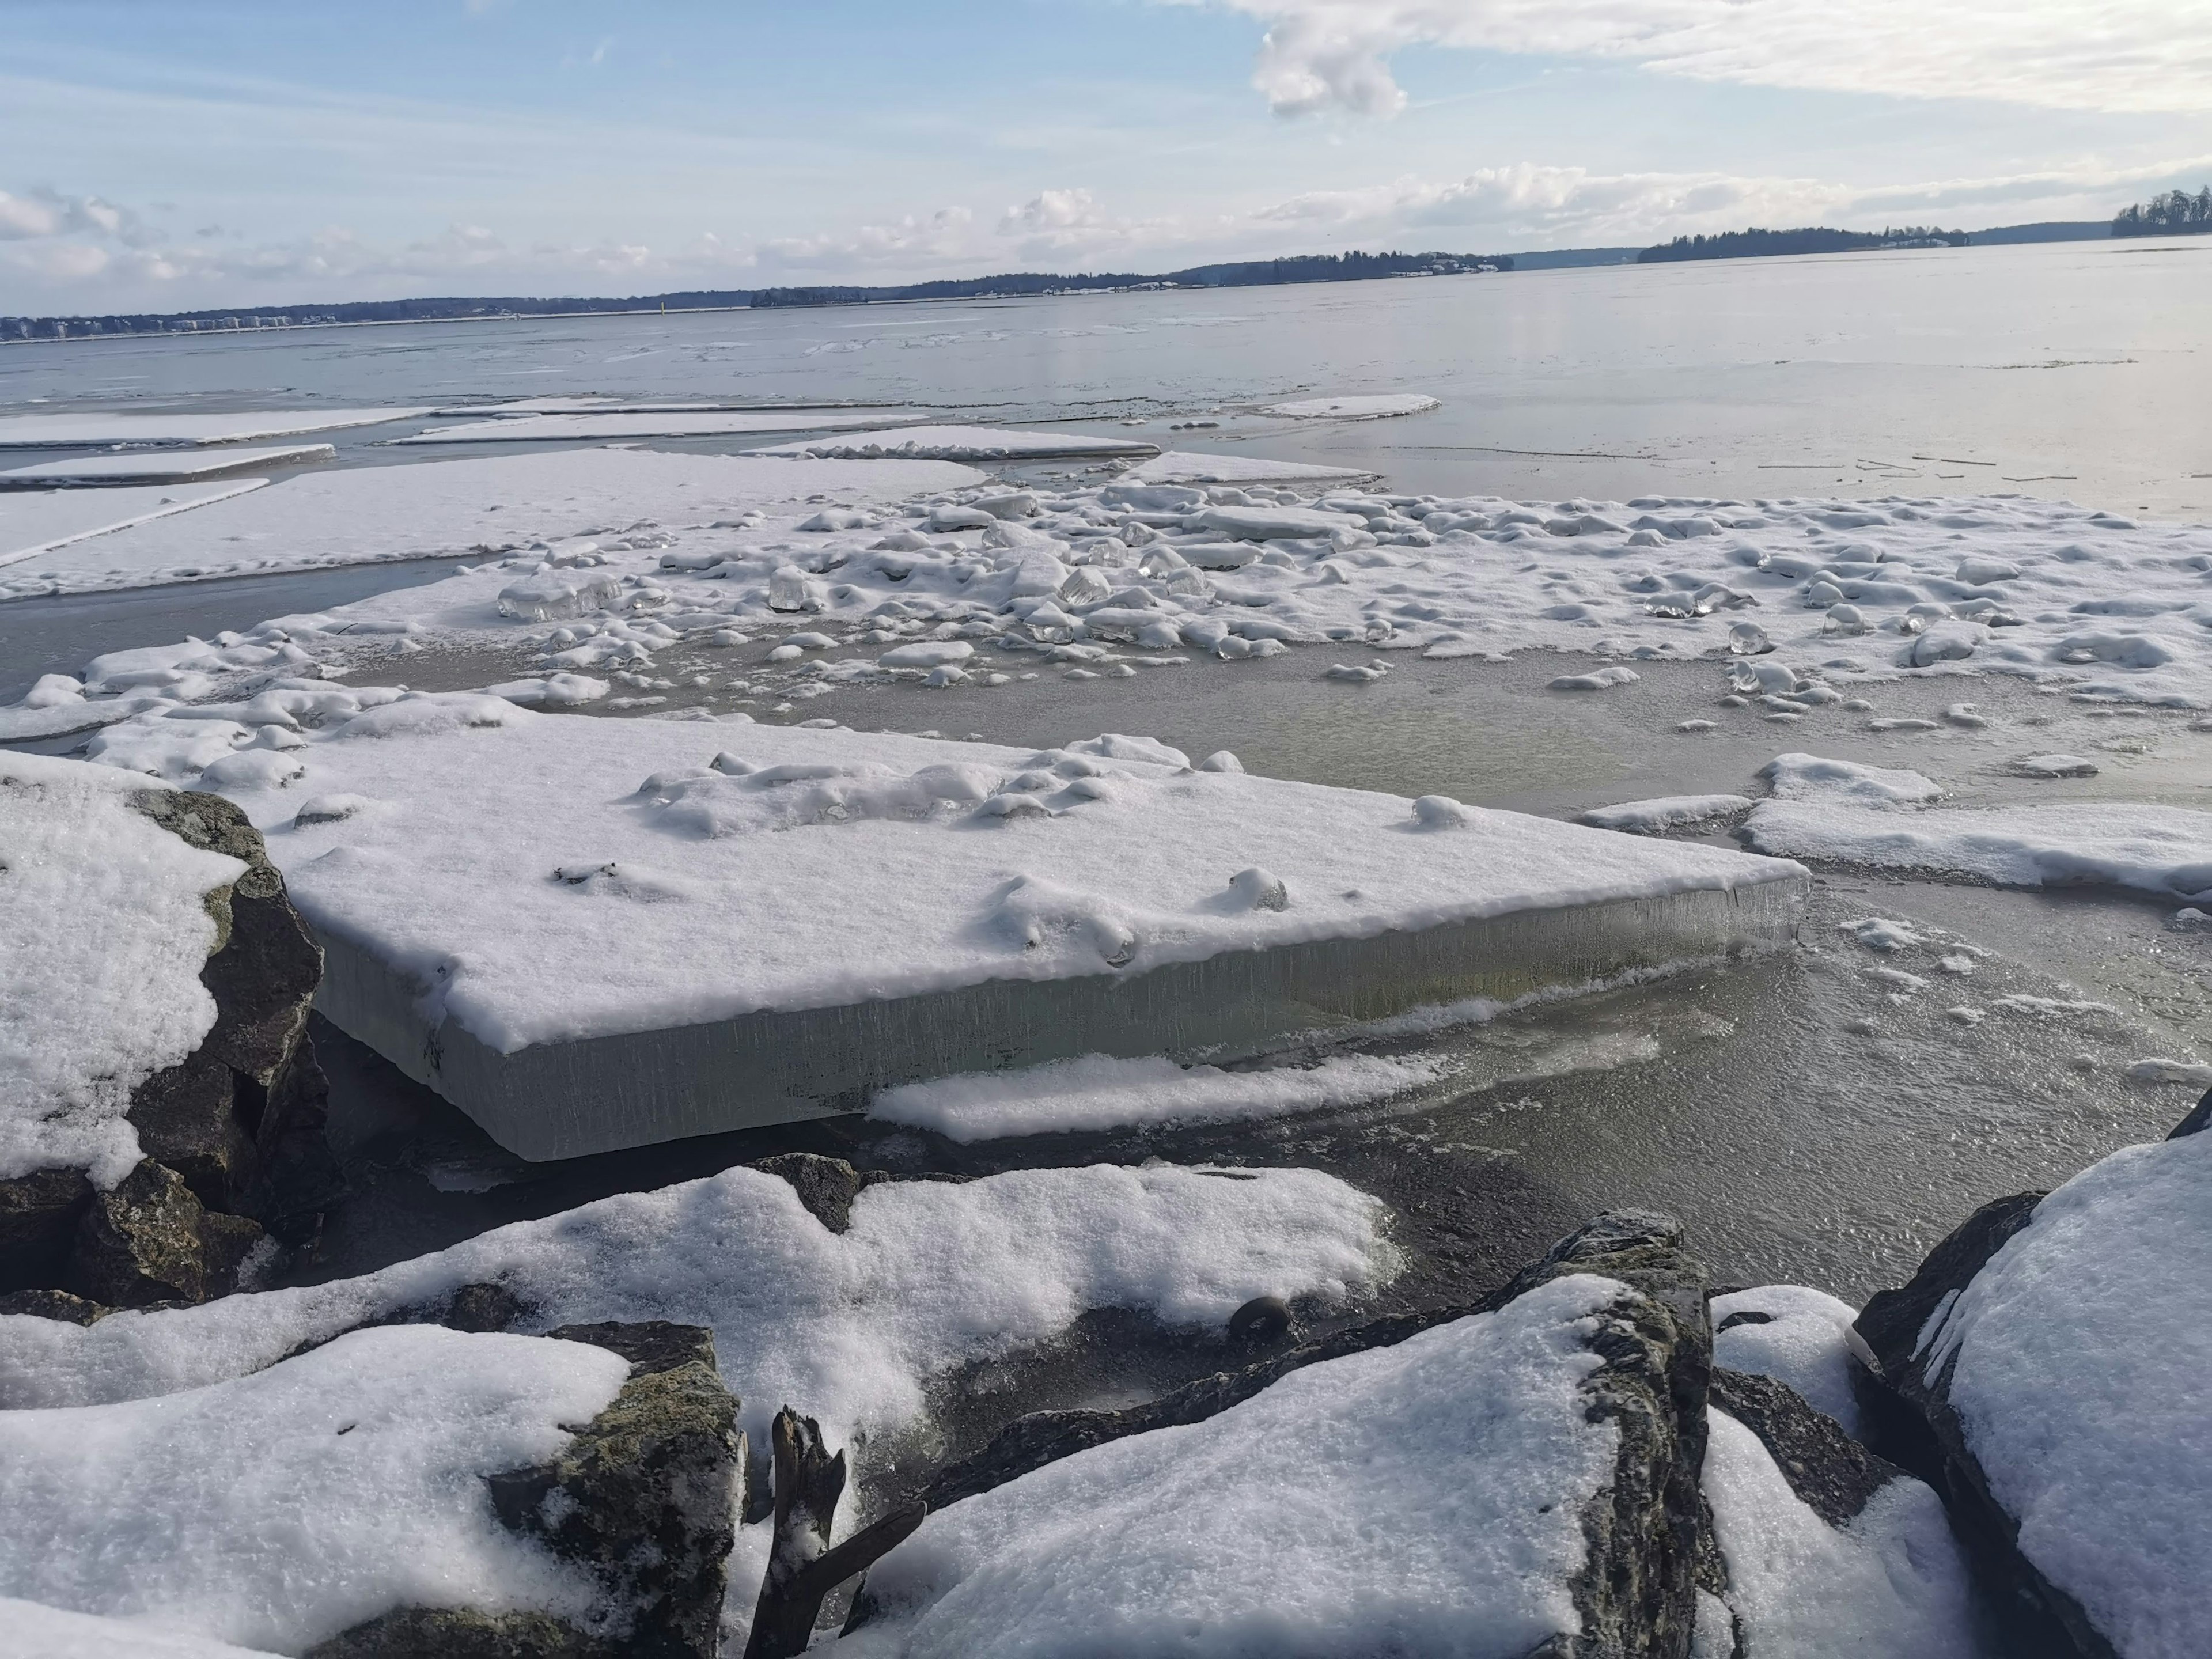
(680, 873)
(958, 443)
(1423, 1498)
(1180, 466)
(277, 1510)
(599, 426)
(930, 1274)
(369, 515)
(35, 521)
(75, 431)
(1099, 1092)
(103, 934)
(156, 467)
(1377, 406)
(1857, 815)
(2080, 1356)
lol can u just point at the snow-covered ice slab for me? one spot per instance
(958, 443)
(370, 514)
(1375, 407)
(1180, 466)
(160, 466)
(32, 522)
(590, 933)
(74, 431)
(599, 426)
(1853, 814)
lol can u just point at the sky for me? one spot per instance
(173, 155)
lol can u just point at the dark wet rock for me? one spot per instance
(1915, 1425)
(458, 1633)
(482, 1307)
(53, 1304)
(649, 1345)
(149, 1240)
(1648, 1532)
(39, 1216)
(238, 1123)
(645, 1496)
(826, 1186)
(1263, 1319)
(2199, 1120)
(1831, 1473)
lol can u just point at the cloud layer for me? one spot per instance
(2100, 54)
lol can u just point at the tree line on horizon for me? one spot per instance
(2175, 213)
(1756, 243)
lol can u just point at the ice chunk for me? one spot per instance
(554, 594)
(1647, 817)
(1370, 407)
(1599, 679)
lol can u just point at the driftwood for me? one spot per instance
(802, 1568)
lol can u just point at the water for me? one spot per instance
(2069, 369)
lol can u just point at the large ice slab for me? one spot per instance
(597, 426)
(1179, 466)
(32, 522)
(159, 466)
(590, 933)
(369, 515)
(85, 430)
(960, 443)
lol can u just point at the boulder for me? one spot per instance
(643, 1497)
(1642, 1525)
(233, 1136)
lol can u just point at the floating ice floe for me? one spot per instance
(32, 522)
(86, 431)
(1377, 406)
(598, 427)
(156, 466)
(1650, 817)
(1846, 813)
(104, 932)
(442, 509)
(957, 443)
(788, 915)
(1098, 1091)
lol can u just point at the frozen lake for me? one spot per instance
(2069, 369)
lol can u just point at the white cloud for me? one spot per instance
(42, 212)
(2104, 55)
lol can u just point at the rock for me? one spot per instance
(1831, 1472)
(150, 1240)
(1649, 1546)
(486, 1307)
(53, 1304)
(2199, 1119)
(1263, 1319)
(239, 1124)
(645, 1495)
(826, 1186)
(643, 1498)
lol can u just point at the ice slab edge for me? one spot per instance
(600, 1094)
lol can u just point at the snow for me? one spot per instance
(1099, 1092)
(2055, 766)
(54, 1633)
(86, 431)
(1180, 466)
(2078, 1360)
(957, 443)
(1806, 1340)
(158, 467)
(32, 522)
(278, 1509)
(931, 1274)
(1647, 817)
(810, 869)
(103, 934)
(495, 504)
(599, 426)
(1852, 814)
(1890, 1581)
(1377, 407)
(1425, 1499)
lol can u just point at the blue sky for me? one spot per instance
(163, 154)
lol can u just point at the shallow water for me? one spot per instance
(2063, 369)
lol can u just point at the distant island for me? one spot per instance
(1352, 267)
(2177, 213)
(1756, 244)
